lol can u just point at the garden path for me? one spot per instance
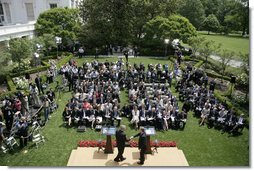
(232, 62)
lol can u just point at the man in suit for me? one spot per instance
(141, 144)
(38, 82)
(120, 141)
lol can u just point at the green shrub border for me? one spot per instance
(237, 111)
(10, 84)
(44, 67)
(199, 64)
(64, 60)
(215, 75)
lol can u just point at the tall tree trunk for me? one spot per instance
(243, 31)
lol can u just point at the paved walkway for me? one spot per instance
(233, 63)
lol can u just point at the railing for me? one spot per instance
(18, 30)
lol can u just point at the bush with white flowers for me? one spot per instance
(24, 65)
(21, 83)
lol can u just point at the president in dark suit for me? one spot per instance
(141, 144)
(120, 141)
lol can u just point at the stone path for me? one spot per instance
(233, 63)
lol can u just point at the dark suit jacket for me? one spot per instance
(141, 140)
(38, 81)
(120, 138)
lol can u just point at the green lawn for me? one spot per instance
(234, 43)
(201, 146)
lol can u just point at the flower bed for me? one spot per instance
(21, 83)
(93, 143)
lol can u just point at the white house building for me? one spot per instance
(17, 17)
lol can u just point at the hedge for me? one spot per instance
(199, 64)
(223, 99)
(189, 58)
(64, 60)
(10, 84)
(32, 70)
(8, 93)
(215, 75)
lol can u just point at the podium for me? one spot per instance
(150, 130)
(108, 131)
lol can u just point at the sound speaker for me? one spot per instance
(233, 79)
(81, 129)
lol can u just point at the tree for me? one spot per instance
(211, 6)
(208, 47)
(225, 57)
(244, 77)
(61, 22)
(6, 66)
(242, 14)
(48, 42)
(120, 22)
(194, 11)
(20, 49)
(211, 23)
(173, 27)
(105, 22)
(195, 42)
(233, 15)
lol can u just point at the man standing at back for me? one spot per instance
(38, 82)
(141, 144)
(120, 141)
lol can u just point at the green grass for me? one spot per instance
(234, 43)
(201, 146)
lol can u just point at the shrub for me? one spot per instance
(64, 60)
(199, 64)
(215, 75)
(226, 102)
(9, 93)
(10, 84)
(21, 83)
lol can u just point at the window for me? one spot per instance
(52, 6)
(8, 12)
(1, 10)
(1, 14)
(30, 11)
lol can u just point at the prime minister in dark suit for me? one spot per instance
(120, 141)
(141, 144)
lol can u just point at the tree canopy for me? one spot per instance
(61, 22)
(20, 49)
(120, 22)
(194, 11)
(211, 23)
(173, 27)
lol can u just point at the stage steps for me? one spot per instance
(166, 156)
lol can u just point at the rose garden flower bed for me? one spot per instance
(93, 143)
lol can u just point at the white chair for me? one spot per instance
(11, 142)
(37, 137)
(4, 149)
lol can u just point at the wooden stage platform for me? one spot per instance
(166, 156)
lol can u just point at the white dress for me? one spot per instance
(135, 116)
